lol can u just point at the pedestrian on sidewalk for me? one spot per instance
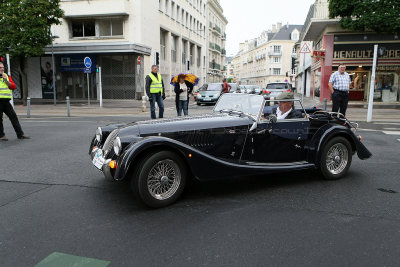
(226, 87)
(155, 91)
(6, 107)
(339, 85)
(182, 90)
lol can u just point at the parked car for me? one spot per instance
(209, 93)
(240, 138)
(275, 89)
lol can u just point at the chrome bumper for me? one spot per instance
(106, 165)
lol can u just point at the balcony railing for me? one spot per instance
(223, 51)
(215, 66)
(275, 53)
(212, 46)
(218, 48)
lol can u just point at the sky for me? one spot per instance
(248, 18)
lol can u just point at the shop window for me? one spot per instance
(386, 87)
(83, 28)
(110, 27)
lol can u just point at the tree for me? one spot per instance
(25, 30)
(381, 16)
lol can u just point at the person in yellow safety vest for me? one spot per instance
(6, 107)
(155, 91)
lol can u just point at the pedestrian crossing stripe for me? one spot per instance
(391, 132)
(66, 260)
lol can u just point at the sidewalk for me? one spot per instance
(134, 108)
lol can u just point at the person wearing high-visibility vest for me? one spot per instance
(6, 107)
(155, 91)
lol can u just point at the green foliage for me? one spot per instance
(25, 26)
(381, 16)
(229, 80)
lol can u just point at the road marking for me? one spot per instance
(391, 123)
(392, 129)
(392, 132)
(398, 140)
(368, 130)
(62, 259)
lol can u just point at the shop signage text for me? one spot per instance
(364, 54)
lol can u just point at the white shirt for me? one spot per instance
(184, 95)
(279, 114)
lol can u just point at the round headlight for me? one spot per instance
(99, 134)
(117, 146)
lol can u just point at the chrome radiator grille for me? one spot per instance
(109, 143)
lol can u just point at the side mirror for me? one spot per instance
(253, 127)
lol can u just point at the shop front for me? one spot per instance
(332, 51)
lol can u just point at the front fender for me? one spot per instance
(329, 131)
(132, 152)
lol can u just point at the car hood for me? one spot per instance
(180, 124)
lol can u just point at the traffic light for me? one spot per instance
(293, 63)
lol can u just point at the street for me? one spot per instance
(52, 199)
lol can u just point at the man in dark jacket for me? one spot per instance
(285, 109)
(155, 91)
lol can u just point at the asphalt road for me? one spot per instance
(53, 200)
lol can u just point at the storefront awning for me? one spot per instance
(96, 48)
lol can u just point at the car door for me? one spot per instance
(282, 141)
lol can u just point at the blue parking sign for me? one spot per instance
(88, 62)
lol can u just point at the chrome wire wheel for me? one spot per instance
(164, 179)
(337, 158)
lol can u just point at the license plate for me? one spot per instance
(207, 99)
(98, 159)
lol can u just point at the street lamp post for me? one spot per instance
(53, 68)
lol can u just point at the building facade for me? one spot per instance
(216, 38)
(332, 45)
(267, 58)
(125, 38)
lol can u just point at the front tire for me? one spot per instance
(160, 179)
(336, 158)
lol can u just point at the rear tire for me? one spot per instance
(198, 104)
(336, 158)
(160, 179)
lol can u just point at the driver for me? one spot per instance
(285, 109)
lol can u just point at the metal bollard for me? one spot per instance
(28, 107)
(68, 107)
(144, 100)
(325, 103)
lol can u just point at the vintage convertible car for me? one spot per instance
(240, 138)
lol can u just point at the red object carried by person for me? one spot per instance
(12, 86)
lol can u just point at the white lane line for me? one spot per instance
(398, 140)
(391, 132)
(368, 130)
(390, 123)
(392, 129)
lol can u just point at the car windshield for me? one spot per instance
(278, 86)
(248, 104)
(213, 87)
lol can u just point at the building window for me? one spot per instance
(277, 59)
(294, 50)
(111, 27)
(277, 48)
(83, 28)
(276, 71)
